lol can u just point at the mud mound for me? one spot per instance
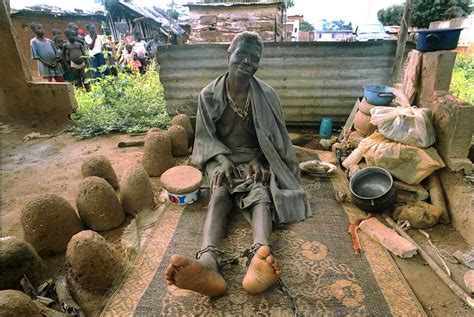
(100, 166)
(49, 222)
(152, 130)
(136, 192)
(16, 303)
(157, 157)
(179, 140)
(98, 204)
(184, 121)
(93, 262)
(18, 257)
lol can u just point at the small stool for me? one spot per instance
(182, 184)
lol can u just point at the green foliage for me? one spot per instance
(391, 15)
(426, 11)
(306, 26)
(462, 82)
(127, 103)
(336, 25)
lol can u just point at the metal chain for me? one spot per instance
(250, 253)
(222, 258)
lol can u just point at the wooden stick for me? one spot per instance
(130, 143)
(402, 38)
(438, 270)
(65, 298)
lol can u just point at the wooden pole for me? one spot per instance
(170, 31)
(402, 38)
(434, 266)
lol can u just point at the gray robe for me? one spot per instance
(289, 199)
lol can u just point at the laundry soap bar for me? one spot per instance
(388, 238)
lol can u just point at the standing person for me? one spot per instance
(74, 52)
(44, 51)
(127, 39)
(59, 43)
(152, 45)
(75, 27)
(95, 44)
(243, 146)
(139, 48)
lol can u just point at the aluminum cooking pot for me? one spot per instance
(378, 95)
(372, 189)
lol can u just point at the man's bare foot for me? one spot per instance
(195, 276)
(262, 273)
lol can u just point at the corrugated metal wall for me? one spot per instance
(313, 80)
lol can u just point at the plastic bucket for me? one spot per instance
(437, 40)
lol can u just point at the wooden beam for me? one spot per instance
(402, 38)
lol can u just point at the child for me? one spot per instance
(59, 43)
(139, 48)
(74, 52)
(129, 59)
(43, 50)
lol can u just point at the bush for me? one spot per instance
(128, 103)
(462, 82)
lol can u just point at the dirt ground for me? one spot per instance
(53, 165)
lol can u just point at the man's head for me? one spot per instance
(58, 41)
(128, 37)
(70, 34)
(247, 37)
(37, 28)
(73, 26)
(91, 28)
(129, 48)
(55, 32)
(244, 54)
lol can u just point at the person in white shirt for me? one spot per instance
(139, 49)
(95, 43)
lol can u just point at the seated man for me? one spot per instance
(243, 145)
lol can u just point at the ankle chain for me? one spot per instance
(222, 258)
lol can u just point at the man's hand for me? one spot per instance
(258, 170)
(227, 170)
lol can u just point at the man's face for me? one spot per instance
(245, 59)
(38, 29)
(58, 42)
(92, 29)
(71, 36)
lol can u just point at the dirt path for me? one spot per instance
(53, 165)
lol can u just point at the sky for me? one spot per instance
(355, 11)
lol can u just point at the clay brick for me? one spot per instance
(436, 71)
(388, 238)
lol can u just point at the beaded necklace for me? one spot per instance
(240, 112)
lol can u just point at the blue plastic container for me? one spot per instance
(378, 95)
(325, 128)
(437, 40)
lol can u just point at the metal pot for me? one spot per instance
(372, 189)
(378, 95)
